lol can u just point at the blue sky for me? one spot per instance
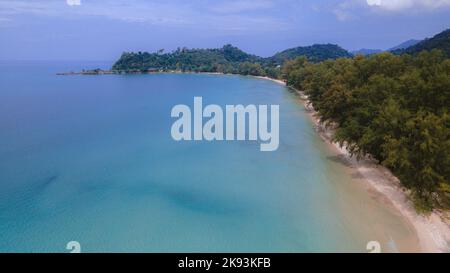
(103, 29)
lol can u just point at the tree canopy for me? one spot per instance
(228, 59)
(394, 108)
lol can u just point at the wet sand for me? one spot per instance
(431, 232)
(426, 233)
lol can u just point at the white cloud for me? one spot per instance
(73, 2)
(242, 6)
(342, 15)
(400, 5)
(344, 11)
(194, 14)
(353, 9)
(374, 2)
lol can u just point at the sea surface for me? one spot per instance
(91, 159)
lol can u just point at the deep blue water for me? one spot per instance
(91, 159)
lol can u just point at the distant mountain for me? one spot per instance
(440, 41)
(365, 51)
(404, 45)
(314, 53)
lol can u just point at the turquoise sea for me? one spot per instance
(91, 159)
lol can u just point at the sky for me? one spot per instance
(103, 29)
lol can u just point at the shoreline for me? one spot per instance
(433, 232)
(271, 79)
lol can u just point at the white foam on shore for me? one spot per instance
(433, 231)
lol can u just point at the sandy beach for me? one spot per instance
(270, 79)
(433, 230)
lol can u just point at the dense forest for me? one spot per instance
(394, 108)
(228, 59)
(314, 53)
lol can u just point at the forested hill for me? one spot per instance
(228, 59)
(314, 53)
(440, 41)
(224, 59)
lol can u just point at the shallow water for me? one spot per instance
(91, 159)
